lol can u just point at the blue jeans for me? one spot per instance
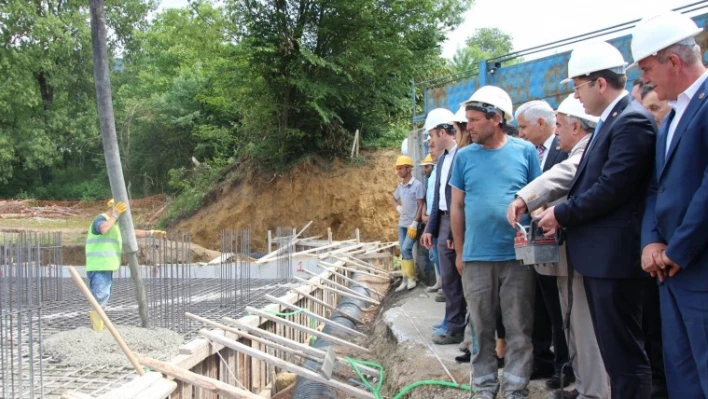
(101, 284)
(406, 243)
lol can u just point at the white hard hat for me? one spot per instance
(404, 146)
(594, 57)
(437, 117)
(571, 106)
(656, 33)
(460, 115)
(494, 96)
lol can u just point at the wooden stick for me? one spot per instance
(315, 300)
(362, 264)
(280, 250)
(351, 280)
(339, 251)
(313, 250)
(314, 316)
(210, 384)
(87, 293)
(301, 371)
(304, 329)
(349, 269)
(340, 292)
(343, 288)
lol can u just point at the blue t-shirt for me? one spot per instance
(430, 192)
(490, 180)
(96, 225)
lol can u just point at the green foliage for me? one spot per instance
(192, 186)
(484, 44)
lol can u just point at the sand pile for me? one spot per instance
(83, 346)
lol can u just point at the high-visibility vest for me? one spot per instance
(103, 250)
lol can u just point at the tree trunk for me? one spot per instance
(110, 146)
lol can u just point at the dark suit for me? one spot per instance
(675, 215)
(439, 227)
(602, 218)
(548, 318)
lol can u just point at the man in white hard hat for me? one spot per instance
(439, 125)
(601, 218)
(674, 233)
(485, 176)
(537, 125)
(574, 128)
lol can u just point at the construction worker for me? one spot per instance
(485, 177)
(439, 125)
(426, 263)
(104, 245)
(408, 199)
(574, 128)
(601, 216)
(674, 240)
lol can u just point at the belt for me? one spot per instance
(446, 213)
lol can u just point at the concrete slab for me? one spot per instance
(410, 320)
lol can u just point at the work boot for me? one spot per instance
(440, 297)
(408, 268)
(404, 284)
(523, 394)
(96, 321)
(448, 338)
(437, 285)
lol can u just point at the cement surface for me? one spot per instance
(410, 321)
(83, 347)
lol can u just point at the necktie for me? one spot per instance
(541, 149)
(594, 135)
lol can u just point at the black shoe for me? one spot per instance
(566, 394)
(465, 357)
(541, 373)
(658, 390)
(555, 381)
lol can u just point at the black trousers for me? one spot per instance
(548, 327)
(651, 325)
(616, 312)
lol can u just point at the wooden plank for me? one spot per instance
(207, 383)
(341, 250)
(301, 371)
(133, 387)
(161, 389)
(349, 269)
(278, 252)
(315, 316)
(317, 353)
(337, 291)
(362, 264)
(350, 280)
(308, 330)
(344, 288)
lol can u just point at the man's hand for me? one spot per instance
(548, 220)
(515, 210)
(459, 264)
(427, 240)
(671, 267)
(413, 230)
(399, 209)
(450, 245)
(652, 261)
(119, 208)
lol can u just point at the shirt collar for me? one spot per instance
(691, 91)
(606, 112)
(451, 150)
(549, 142)
(409, 182)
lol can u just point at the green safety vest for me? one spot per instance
(103, 250)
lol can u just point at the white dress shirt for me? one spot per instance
(680, 104)
(547, 148)
(444, 173)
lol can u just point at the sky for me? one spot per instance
(534, 22)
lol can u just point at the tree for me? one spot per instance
(319, 69)
(484, 44)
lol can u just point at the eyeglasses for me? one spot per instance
(575, 88)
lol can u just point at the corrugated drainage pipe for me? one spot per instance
(309, 389)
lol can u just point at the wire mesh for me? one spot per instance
(235, 268)
(284, 241)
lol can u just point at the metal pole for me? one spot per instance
(110, 146)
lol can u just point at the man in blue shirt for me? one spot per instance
(485, 177)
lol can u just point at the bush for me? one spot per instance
(192, 185)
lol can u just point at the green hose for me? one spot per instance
(377, 390)
(293, 313)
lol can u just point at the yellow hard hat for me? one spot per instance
(428, 160)
(110, 202)
(404, 161)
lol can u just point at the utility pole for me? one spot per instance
(110, 147)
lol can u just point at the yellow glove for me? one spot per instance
(119, 209)
(159, 233)
(413, 230)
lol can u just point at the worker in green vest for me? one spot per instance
(104, 245)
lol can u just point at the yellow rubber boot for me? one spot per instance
(96, 321)
(408, 267)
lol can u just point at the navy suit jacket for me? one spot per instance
(676, 204)
(554, 155)
(433, 226)
(603, 213)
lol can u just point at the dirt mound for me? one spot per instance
(344, 197)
